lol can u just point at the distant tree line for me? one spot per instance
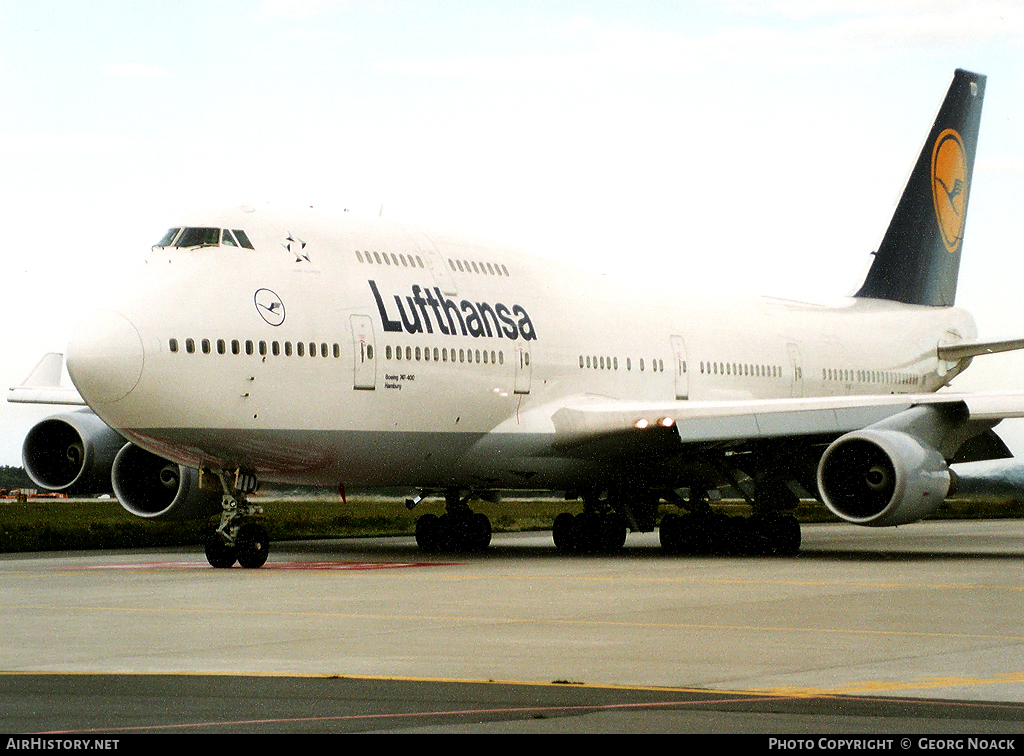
(14, 477)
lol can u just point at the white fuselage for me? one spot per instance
(366, 353)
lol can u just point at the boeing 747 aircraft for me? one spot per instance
(312, 349)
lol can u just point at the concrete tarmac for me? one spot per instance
(917, 629)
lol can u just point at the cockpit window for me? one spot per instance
(205, 237)
(168, 237)
(199, 237)
(243, 239)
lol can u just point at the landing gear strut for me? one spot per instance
(236, 537)
(458, 529)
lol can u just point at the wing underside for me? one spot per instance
(592, 427)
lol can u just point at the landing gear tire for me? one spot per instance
(670, 533)
(427, 533)
(469, 532)
(693, 534)
(777, 534)
(218, 553)
(253, 546)
(717, 534)
(479, 532)
(563, 532)
(612, 532)
(589, 533)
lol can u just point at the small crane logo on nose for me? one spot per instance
(269, 306)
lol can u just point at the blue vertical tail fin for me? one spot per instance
(918, 260)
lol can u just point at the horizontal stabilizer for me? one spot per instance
(43, 384)
(957, 352)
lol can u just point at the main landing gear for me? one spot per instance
(599, 529)
(602, 526)
(459, 529)
(237, 537)
(703, 531)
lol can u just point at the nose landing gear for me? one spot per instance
(236, 538)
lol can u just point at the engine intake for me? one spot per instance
(71, 452)
(882, 478)
(149, 486)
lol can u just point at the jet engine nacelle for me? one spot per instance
(882, 477)
(151, 487)
(72, 452)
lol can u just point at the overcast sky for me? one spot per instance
(712, 145)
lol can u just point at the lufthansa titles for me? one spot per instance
(464, 318)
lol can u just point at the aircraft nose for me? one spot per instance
(105, 357)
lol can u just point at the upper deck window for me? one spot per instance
(205, 237)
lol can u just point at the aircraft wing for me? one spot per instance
(43, 384)
(592, 426)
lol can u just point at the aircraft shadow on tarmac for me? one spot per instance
(935, 549)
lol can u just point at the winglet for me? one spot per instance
(43, 386)
(918, 260)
